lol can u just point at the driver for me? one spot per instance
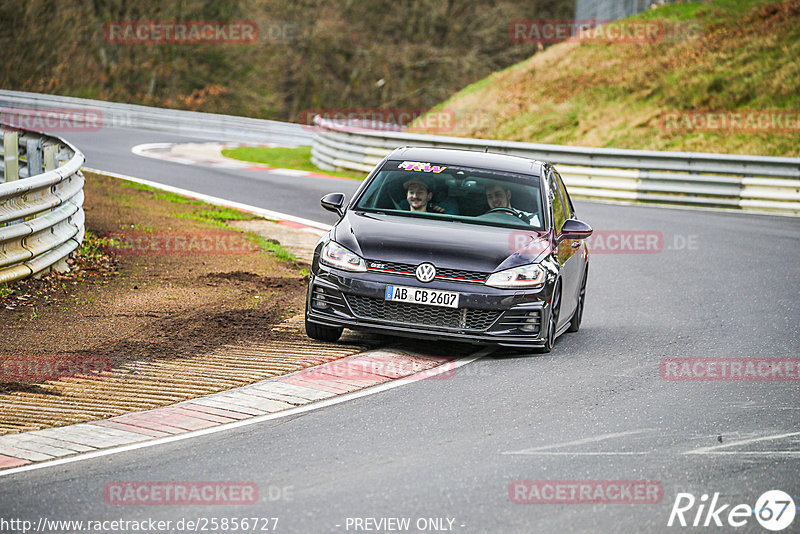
(419, 195)
(498, 196)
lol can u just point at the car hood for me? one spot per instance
(455, 245)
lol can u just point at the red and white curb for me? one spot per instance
(311, 388)
(210, 155)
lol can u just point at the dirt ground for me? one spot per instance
(145, 304)
(140, 294)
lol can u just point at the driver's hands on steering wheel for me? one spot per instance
(513, 212)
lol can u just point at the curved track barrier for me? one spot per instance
(41, 203)
(17, 106)
(754, 183)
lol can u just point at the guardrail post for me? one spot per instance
(34, 154)
(61, 266)
(62, 155)
(11, 155)
(49, 156)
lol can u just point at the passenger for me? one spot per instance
(419, 194)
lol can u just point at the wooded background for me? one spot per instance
(339, 54)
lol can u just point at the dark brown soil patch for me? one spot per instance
(143, 306)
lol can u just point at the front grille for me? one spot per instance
(441, 273)
(460, 273)
(420, 314)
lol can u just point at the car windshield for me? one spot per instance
(451, 192)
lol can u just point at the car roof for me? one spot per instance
(470, 158)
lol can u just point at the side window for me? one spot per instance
(555, 200)
(569, 210)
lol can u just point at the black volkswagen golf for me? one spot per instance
(452, 244)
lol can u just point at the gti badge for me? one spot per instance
(426, 272)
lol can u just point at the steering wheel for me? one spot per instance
(507, 210)
(513, 212)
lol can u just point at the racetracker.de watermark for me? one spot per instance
(610, 242)
(625, 242)
(590, 30)
(185, 493)
(157, 32)
(385, 366)
(53, 119)
(54, 368)
(399, 119)
(734, 369)
(156, 243)
(740, 121)
(585, 492)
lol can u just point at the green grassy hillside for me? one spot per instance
(717, 56)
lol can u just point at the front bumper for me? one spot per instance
(511, 318)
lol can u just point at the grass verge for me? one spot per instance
(218, 216)
(285, 158)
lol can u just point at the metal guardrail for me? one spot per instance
(16, 106)
(755, 183)
(684, 178)
(41, 203)
(612, 9)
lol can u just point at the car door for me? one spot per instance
(571, 262)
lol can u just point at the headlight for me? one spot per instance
(524, 276)
(336, 255)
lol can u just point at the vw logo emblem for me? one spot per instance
(426, 272)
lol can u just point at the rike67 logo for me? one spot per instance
(774, 510)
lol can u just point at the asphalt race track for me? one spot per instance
(722, 285)
(110, 150)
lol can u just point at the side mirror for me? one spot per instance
(333, 202)
(575, 229)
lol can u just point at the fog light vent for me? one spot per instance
(319, 299)
(531, 322)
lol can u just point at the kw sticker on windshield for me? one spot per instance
(420, 166)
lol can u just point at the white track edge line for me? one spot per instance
(253, 420)
(268, 214)
(581, 441)
(713, 448)
(141, 150)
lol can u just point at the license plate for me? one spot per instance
(420, 295)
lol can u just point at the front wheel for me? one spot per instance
(323, 333)
(575, 323)
(552, 324)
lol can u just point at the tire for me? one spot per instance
(575, 323)
(552, 324)
(323, 333)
